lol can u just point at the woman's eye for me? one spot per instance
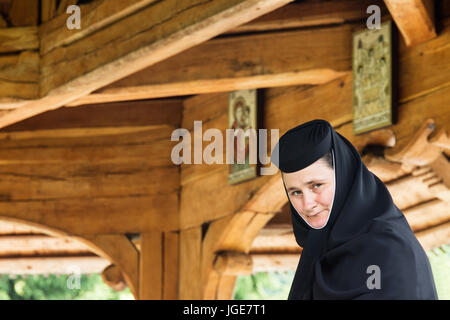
(294, 193)
(317, 185)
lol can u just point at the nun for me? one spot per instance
(356, 243)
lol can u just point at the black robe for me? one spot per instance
(367, 249)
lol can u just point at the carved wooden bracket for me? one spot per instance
(428, 155)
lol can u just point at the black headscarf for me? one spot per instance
(365, 233)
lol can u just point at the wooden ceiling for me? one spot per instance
(137, 50)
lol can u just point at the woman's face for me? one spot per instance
(311, 192)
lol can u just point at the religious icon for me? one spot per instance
(242, 120)
(372, 79)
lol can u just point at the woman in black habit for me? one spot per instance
(356, 243)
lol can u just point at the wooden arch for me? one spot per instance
(116, 248)
(236, 233)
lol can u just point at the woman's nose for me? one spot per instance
(309, 200)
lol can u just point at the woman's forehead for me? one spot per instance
(319, 170)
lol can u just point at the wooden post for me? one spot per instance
(150, 266)
(190, 263)
(171, 265)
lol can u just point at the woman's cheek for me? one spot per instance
(326, 197)
(297, 205)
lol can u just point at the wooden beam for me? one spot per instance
(105, 215)
(18, 39)
(415, 64)
(27, 245)
(384, 169)
(19, 76)
(52, 265)
(428, 214)
(311, 13)
(434, 237)
(418, 151)
(13, 228)
(410, 191)
(414, 18)
(158, 112)
(38, 185)
(236, 263)
(151, 266)
(304, 59)
(275, 262)
(275, 239)
(233, 263)
(150, 25)
(94, 16)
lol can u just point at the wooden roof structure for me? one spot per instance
(86, 116)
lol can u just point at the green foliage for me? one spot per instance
(440, 265)
(58, 287)
(276, 286)
(264, 286)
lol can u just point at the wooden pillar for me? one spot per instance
(171, 265)
(151, 266)
(190, 263)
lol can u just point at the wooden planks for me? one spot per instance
(435, 236)
(29, 245)
(95, 16)
(150, 25)
(311, 13)
(105, 215)
(18, 39)
(14, 228)
(120, 114)
(52, 265)
(304, 59)
(19, 75)
(99, 161)
(172, 28)
(275, 238)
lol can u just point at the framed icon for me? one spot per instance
(243, 120)
(372, 78)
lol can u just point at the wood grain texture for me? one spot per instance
(414, 18)
(151, 266)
